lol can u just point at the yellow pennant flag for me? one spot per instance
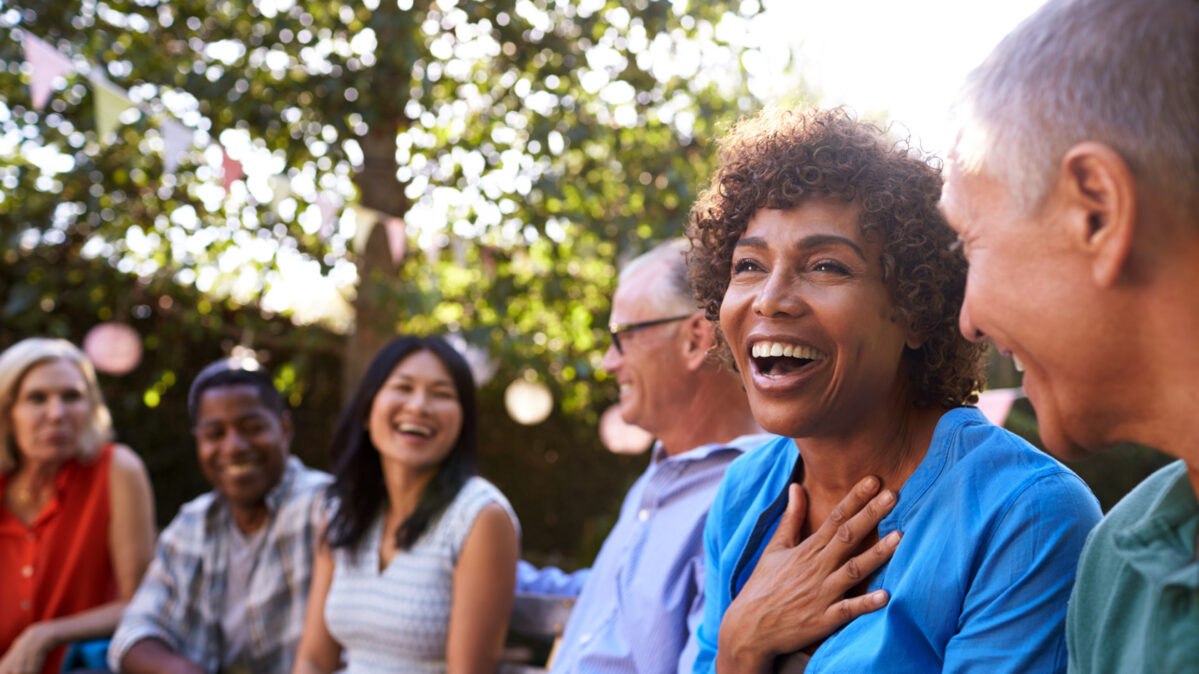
(110, 103)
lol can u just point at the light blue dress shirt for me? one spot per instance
(992, 529)
(641, 601)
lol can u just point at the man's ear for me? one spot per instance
(1098, 193)
(699, 338)
(286, 427)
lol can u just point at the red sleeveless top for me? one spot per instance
(60, 565)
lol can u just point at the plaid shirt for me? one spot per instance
(180, 599)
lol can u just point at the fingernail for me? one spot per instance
(878, 597)
(888, 497)
(871, 482)
(893, 538)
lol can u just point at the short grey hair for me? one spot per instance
(1118, 72)
(16, 362)
(672, 290)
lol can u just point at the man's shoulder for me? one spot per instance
(1138, 502)
(308, 481)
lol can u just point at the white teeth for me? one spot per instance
(239, 468)
(423, 431)
(777, 349)
(1019, 365)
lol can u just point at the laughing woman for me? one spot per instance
(418, 568)
(820, 253)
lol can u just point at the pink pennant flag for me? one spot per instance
(996, 403)
(328, 208)
(231, 170)
(397, 239)
(177, 139)
(47, 63)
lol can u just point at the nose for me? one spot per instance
(55, 407)
(611, 359)
(417, 400)
(777, 296)
(966, 324)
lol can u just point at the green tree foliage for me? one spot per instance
(529, 145)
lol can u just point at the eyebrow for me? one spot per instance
(813, 241)
(434, 382)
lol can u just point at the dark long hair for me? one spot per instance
(358, 491)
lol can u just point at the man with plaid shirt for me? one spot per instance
(228, 586)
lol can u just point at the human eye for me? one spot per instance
(36, 397)
(744, 265)
(72, 396)
(830, 267)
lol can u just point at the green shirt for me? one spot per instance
(1135, 606)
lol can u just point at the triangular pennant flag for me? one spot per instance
(47, 63)
(397, 239)
(110, 103)
(996, 403)
(231, 169)
(177, 139)
(328, 208)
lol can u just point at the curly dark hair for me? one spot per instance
(778, 159)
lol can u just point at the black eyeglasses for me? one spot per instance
(615, 329)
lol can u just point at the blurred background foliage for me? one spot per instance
(530, 146)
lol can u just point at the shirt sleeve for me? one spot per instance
(149, 614)
(549, 580)
(1013, 615)
(695, 618)
(716, 596)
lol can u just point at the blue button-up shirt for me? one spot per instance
(992, 533)
(641, 601)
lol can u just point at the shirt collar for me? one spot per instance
(742, 443)
(1161, 544)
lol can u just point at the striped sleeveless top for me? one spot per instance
(398, 620)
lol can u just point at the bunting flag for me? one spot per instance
(996, 403)
(329, 209)
(397, 239)
(177, 140)
(110, 103)
(46, 63)
(231, 170)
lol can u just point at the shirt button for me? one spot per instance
(643, 515)
(585, 639)
(25, 605)
(27, 571)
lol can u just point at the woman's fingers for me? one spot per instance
(861, 524)
(854, 501)
(791, 523)
(856, 569)
(848, 609)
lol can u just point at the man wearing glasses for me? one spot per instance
(639, 604)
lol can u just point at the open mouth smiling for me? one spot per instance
(776, 360)
(418, 430)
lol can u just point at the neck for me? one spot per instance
(890, 445)
(1160, 392)
(404, 489)
(250, 518)
(717, 413)
(36, 475)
